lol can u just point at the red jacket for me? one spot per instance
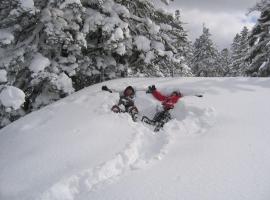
(167, 101)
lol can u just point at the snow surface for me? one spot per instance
(216, 147)
(12, 97)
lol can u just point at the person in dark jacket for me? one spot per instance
(126, 101)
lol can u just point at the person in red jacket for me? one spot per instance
(168, 103)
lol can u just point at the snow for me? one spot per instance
(157, 46)
(142, 43)
(118, 35)
(64, 83)
(121, 49)
(27, 4)
(6, 37)
(66, 3)
(153, 28)
(150, 55)
(3, 76)
(165, 27)
(77, 149)
(263, 66)
(39, 63)
(12, 97)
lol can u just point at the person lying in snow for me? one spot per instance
(168, 103)
(126, 101)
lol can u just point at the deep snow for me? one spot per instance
(217, 147)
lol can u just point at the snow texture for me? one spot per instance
(121, 50)
(77, 149)
(39, 63)
(118, 35)
(69, 2)
(64, 83)
(3, 76)
(142, 43)
(12, 97)
(6, 37)
(27, 4)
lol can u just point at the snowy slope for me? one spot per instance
(217, 147)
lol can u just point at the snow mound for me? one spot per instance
(77, 149)
(78, 127)
(144, 148)
(12, 97)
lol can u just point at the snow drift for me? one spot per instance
(76, 148)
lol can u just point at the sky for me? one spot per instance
(224, 18)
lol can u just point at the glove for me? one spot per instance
(151, 89)
(105, 88)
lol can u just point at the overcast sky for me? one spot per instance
(224, 18)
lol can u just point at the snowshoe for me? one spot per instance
(159, 120)
(133, 111)
(146, 120)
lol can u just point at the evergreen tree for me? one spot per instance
(224, 63)
(160, 41)
(239, 50)
(259, 40)
(51, 48)
(205, 56)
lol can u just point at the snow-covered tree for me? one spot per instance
(159, 41)
(51, 48)
(259, 41)
(205, 56)
(224, 62)
(239, 49)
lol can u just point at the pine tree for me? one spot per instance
(205, 56)
(239, 50)
(51, 48)
(224, 63)
(160, 41)
(259, 40)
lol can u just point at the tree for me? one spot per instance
(51, 48)
(239, 50)
(224, 63)
(159, 41)
(259, 41)
(205, 56)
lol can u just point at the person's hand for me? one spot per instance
(104, 87)
(151, 89)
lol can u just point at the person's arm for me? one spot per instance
(105, 88)
(158, 95)
(155, 93)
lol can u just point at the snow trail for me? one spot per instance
(144, 149)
